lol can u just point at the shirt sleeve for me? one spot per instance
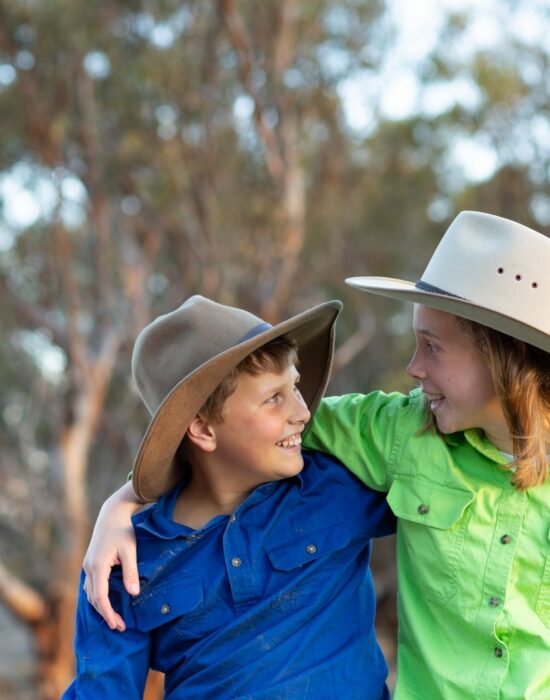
(366, 432)
(109, 664)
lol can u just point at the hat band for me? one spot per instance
(425, 287)
(260, 328)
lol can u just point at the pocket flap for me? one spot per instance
(429, 504)
(166, 601)
(308, 546)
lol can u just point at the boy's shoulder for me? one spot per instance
(325, 474)
(158, 512)
(320, 465)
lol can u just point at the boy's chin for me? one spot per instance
(291, 469)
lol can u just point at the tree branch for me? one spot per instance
(242, 45)
(287, 16)
(355, 343)
(23, 601)
(99, 214)
(32, 315)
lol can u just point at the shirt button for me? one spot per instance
(311, 549)
(498, 652)
(165, 609)
(505, 539)
(423, 509)
(494, 602)
(236, 562)
(232, 518)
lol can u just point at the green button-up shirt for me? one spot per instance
(473, 552)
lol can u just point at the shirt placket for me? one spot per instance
(493, 623)
(238, 564)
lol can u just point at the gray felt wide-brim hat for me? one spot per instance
(180, 358)
(486, 269)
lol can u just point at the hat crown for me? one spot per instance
(488, 269)
(176, 344)
(507, 267)
(180, 358)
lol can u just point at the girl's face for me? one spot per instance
(455, 377)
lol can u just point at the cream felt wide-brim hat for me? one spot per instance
(486, 269)
(181, 357)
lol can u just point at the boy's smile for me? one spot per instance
(455, 377)
(291, 442)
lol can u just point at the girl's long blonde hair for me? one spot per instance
(521, 376)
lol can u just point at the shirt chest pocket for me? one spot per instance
(166, 602)
(307, 547)
(305, 564)
(431, 529)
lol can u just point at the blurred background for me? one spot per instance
(254, 152)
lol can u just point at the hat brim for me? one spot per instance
(407, 291)
(156, 469)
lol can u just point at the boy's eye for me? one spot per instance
(274, 398)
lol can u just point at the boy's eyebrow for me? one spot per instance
(276, 386)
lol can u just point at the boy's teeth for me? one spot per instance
(291, 441)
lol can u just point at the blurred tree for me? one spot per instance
(163, 151)
(154, 150)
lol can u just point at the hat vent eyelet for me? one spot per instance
(500, 270)
(518, 278)
(534, 285)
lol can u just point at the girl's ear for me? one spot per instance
(202, 434)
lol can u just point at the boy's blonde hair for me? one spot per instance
(521, 377)
(275, 356)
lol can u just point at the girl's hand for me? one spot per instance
(113, 542)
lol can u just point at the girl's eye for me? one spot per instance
(431, 347)
(274, 398)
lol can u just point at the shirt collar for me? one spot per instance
(158, 518)
(477, 439)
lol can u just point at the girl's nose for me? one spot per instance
(414, 370)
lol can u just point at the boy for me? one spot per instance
(254, 563)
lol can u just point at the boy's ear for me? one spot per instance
(202, 434)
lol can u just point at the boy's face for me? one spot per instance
(259, 436)
(454, 376)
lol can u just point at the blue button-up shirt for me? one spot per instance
(275, 601)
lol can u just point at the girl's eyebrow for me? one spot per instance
(423, 331)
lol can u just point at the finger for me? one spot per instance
(130, 576)
(100, 599)
(88, 588)
(103, 606)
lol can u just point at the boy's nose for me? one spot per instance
(301, 413)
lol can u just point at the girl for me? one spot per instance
(464, 461)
